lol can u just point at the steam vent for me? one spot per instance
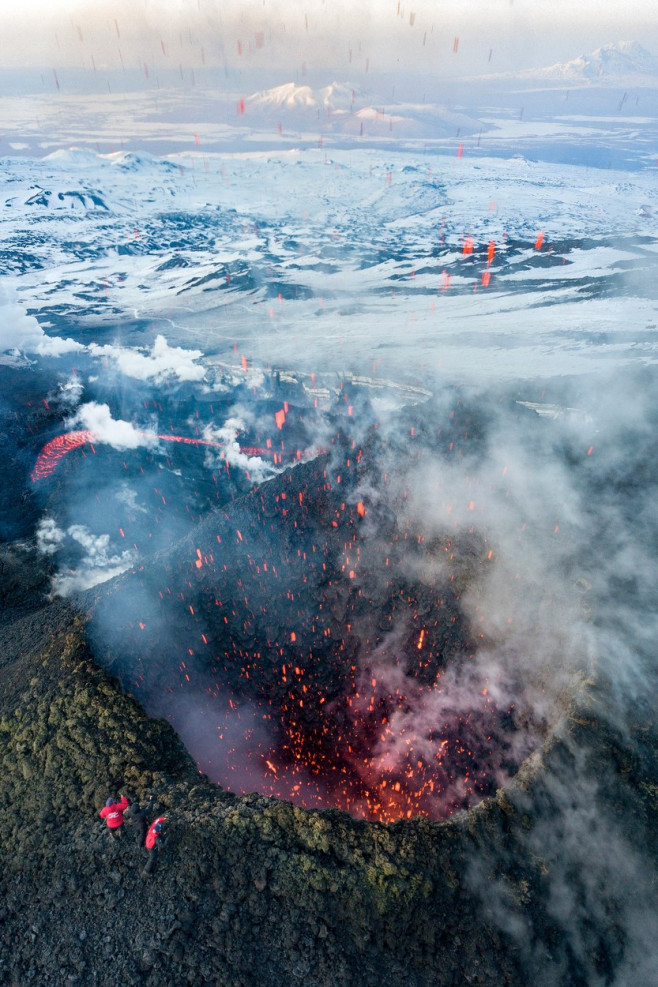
(364, 701)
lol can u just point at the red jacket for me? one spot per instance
(152, 837)
(113, 814)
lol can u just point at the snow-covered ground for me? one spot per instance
(337, 259)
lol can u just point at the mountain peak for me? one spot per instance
(291, 96)
(287, 95)
(613, 62)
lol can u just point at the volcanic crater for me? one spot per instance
(318, 638)
(307, 639)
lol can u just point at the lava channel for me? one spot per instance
(54, 450)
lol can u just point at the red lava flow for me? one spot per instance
(57, 448)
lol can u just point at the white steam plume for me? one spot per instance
(97, 418)
(161, 363)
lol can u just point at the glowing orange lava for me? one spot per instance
(57, 448)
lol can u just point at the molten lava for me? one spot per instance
(58, 447)
(53, 451)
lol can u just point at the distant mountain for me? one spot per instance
(334, 97)
(622, 62)
(343, 108)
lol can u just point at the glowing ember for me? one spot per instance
(308, 636)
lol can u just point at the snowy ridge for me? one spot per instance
(130, 161)
(623, 61)
(66, 199)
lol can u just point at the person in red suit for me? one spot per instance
(153, 843)
(113, 812)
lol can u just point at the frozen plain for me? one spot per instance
(334, 251)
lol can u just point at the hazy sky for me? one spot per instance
(345, 38)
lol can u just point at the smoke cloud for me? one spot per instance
(21, 333)
(158, 365)
(97, 418)
(49, 536)
(576, 583)
(231, 453)
(86, 559)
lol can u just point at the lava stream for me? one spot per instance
(57, 448)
